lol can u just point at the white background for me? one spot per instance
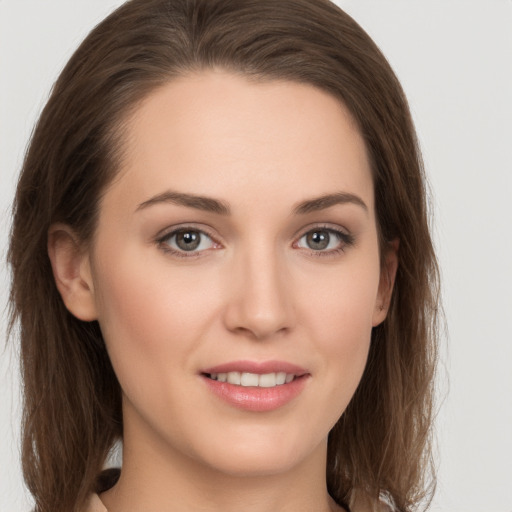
(454, 59)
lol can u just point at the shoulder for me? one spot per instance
(94, 504)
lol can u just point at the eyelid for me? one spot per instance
(169, 230)
(322, 225)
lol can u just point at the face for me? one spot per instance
(235, 271)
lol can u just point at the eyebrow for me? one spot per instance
(220, 207)
(326, 201)
(207, 204)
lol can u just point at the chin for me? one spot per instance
(256, 464)
(260, 455)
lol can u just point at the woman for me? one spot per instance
(221, 256)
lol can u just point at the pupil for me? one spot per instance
(188, 240)
(318, 239)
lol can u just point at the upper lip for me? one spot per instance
(258, 367)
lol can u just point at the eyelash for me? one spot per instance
(346, 240)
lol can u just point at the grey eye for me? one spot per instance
(320, 240)
(188, 240)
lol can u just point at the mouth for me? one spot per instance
(248, 379)
(256, 386)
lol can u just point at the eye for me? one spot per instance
(186, 240)
(325, 240)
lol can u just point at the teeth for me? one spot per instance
(234, 378)
(267, 380)
(249, 379)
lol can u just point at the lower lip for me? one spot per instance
(257, 399)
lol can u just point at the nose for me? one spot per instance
(260, 301)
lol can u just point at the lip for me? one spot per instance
(259, 367)
(253, 398)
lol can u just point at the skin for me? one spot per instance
(254, 290)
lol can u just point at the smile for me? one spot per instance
(247, 379)
(256, 386)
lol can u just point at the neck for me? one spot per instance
(158, 478)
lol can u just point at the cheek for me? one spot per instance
(339, 313)
(341, 303)
(151, 313)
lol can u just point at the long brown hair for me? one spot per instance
(72, 405)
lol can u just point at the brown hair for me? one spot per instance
(72, 405)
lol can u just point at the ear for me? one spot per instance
(72, 272)
(386, 283)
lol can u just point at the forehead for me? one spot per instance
(218, 134)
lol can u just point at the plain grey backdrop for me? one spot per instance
(454, 59)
